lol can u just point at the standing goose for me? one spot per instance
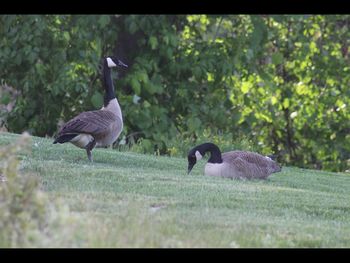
(234, 164)
(98, 128)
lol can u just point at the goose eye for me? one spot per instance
(191, 158)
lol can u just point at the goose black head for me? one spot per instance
(193, 156)
(191, 162)
(113, 61)
(199, 151)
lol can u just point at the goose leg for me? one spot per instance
(89, 148)
(89, 155)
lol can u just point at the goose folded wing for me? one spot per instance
(249, 157)
(246, 161)
(90, 122)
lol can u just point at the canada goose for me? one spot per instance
(98, 128)
(234, 164)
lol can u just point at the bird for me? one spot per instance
(233, 164)
(97, 128)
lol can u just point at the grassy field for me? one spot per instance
(126, 199)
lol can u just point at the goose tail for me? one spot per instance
(64, 138)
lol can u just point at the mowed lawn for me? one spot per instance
(126, 199)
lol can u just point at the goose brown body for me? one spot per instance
(233, 164)
(242, 164)
(97, 128)
(103, 126)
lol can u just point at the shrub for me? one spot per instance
(28, 217)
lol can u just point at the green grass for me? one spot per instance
(127, 199)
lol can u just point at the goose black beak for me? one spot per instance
(122, 64)
(190, 166)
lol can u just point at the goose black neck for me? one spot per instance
(108, 84)
(215, 153)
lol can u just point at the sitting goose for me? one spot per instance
(98, 128)
(234, 164)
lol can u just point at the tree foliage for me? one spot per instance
(281, 81)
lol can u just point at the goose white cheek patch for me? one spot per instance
(110, 63)
(198, 155)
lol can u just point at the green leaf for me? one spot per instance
(279, 18)
(301, 89)
(146, 104)
(258, 34)
(197, 72)
(313, 47)
(194, 123)
(173, 40)
(246, 85)
(143, 76)
(149, 87)
(277, 58)
(158, 88)
(147, 145)
(104, 20)
(274, 100)
(18, 60)
(166, 39)
(5, 98)
(153, 42)
(97, 99)
(135, 84)
(66, 36)
(286, 103)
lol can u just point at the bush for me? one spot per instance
(281, 79)
(28, 217)
(181, 144)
